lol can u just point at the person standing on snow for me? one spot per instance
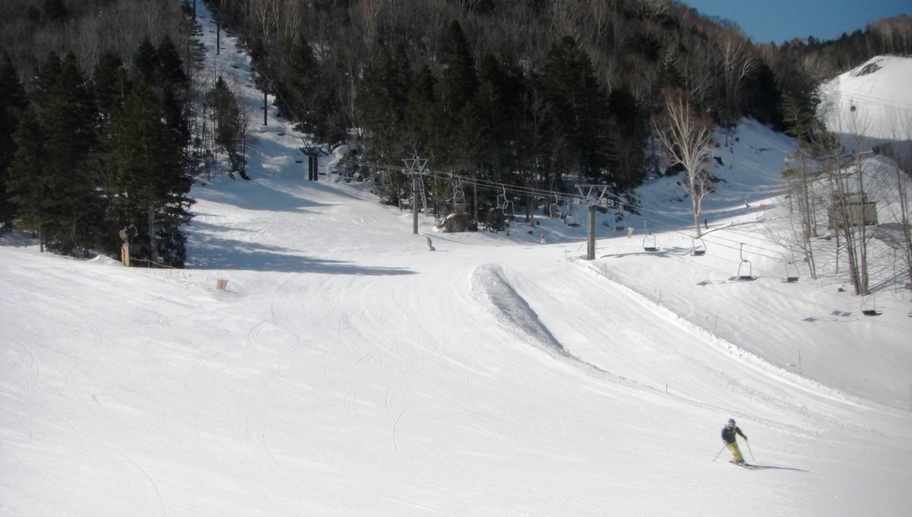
(731, 441)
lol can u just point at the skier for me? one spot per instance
(728, 436)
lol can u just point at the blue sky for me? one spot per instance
(782, 20)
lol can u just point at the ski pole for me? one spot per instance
(746, 442)
(720, 452)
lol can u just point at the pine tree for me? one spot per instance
(459, 81)
(26, 183)
(69, 120)
(163, 71)
(170, 66)
(629, 133)
(499, 101)
(455, 91)
(110, 82)
(150, 188)
(580, 108)
(422, 116)
(298, 87)
(382, 100)
(226, 117)
(47, 76)
(13, 102)
(145, 63)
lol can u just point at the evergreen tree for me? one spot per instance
(580, 108)
(381, 101)
(170, 66)
(145, 63)
(150, 188)
(13, 102)
(419, 133)
(422, 116)
(226, 117)
(474, 137)
(499, 101)
(538, 133)
(26, 183)
(69, 120)
(455, 91)
(110, 82)
(163, 71)
(47, 76)
(629, 133)
(299, 92)
(762, 99)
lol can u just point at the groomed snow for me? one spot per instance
(348, 370)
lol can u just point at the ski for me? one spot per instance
(747, 466)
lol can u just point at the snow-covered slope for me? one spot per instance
(872, 103)
(348, 370)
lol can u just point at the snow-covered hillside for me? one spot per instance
(345, 369)
(870, 104)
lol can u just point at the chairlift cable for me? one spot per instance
(490, 185)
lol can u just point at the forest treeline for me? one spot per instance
(103, 135)
(527, 91)
(531, 93)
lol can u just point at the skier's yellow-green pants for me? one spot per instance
(736, 452)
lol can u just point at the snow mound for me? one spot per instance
(512, 311)
(105, 261)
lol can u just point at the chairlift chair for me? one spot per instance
(504, 204)
(555, 208)
(750, 268)
(299, 156)
(458, 193)
(649, 239)
(649, 242)
(791, 272)
(699, 249)
(459, 198)
(873, 310)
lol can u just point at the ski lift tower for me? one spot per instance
(594, 197)
(415, 167)
(313, 152)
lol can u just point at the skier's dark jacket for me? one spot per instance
(728, 434)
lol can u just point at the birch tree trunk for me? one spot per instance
(687, 135)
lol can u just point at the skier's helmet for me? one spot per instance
(731, 422)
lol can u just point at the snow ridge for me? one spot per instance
(512, 311)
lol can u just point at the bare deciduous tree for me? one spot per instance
(802, 176)
(687, 135)
(738, 61)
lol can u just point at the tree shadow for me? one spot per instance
(211, 252)
(270, 195)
